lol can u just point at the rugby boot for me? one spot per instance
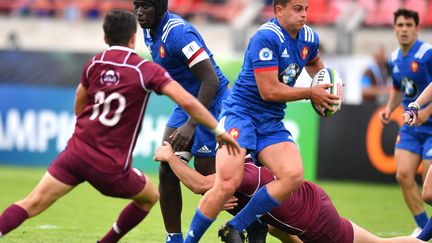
(230, 235)
(257, 233)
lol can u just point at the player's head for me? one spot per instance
(406, 26)
(119, 27)
(291, 14)
(150, 12)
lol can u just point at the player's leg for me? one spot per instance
(363, 236)
(136, 210)
(283, 236)
(426, 233)
(284, 160)
(407, 164)
(43, 195)
(229, 173)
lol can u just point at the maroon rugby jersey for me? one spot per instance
(295, 214)
(118, 84)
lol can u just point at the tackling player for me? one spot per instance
(307, 212)
(411, 70)
(253, 114)
(110, 104)
(178, 47)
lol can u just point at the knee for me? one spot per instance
(154, 197)
(166, 175)
(427, 195)
(227, 188)
(291, 177)
(403, 177)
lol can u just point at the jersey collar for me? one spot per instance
(121, 48)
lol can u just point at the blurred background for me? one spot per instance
(45, 43)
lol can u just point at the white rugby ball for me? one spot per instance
(329, 76)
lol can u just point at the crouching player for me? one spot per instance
(110, 104)
(308, 212)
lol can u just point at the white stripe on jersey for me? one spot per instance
(422, 50)
(202, 56)
(169, 26)
(308, 34)
(394, 55)
(276, 29)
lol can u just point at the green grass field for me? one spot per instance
(84, 215)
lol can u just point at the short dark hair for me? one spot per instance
(407, 13)
(119, 25)
(279, 2)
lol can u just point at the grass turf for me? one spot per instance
(84, 215)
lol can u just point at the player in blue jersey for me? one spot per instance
(178, 47)
(411, 70)
(253, 114)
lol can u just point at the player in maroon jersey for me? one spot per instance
(308, 212)
(110, 104)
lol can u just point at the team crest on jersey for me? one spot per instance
(265, 54)
(304, 52)
(414, 67)
(162, 52)
(234, 132)
(110, 77)
(409, 87)
(290, 74)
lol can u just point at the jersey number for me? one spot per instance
(100, 100)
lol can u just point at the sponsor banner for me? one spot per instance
(36, 123)
(354, 145)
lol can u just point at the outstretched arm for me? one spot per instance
(193, 180)
(413, 115)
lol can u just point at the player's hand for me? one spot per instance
(408, 118)
(231, 203)
(227, 140)
(384, 115)
(322, 99)
(181, 138)
(163, 152)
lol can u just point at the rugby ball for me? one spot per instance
(329, 76)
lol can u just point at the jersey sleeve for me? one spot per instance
(263, 52)
(84, 75)
(155, 77)
(314, 46)
(188, 46)
(396, 85)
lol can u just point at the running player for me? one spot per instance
(411, 70)
(307, 212)
(178, 47)
(110, 104)
(253, 114)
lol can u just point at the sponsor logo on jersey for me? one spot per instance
(395, 69)
(234, 132)
(162, 52)
(414, 67)
(110, 77)
(204, 149)
(191, 233)
(285, 53)
(429, 152)
(290, 74)
(190, 49)
(304, 52)
(409, 87)
(265, 54)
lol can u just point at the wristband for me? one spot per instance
(219, 130)
(414, 105)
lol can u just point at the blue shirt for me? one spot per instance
(412, 73)
(177, 46)
(272, 48)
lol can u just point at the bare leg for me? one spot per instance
(427, 185)
(363, 236)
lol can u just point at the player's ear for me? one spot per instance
(132, 41)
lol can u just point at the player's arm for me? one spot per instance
(81, 99)
(314, 66)
(395, 99)
(270, 89)
(193, 180)
(198, 112)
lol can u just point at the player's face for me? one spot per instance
(146, 13)
(405, 30)
(292, 16)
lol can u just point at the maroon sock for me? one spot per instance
(128, 219)
(11, 218)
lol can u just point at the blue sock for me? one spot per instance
(174, 238)
(260, 204)
(426, 233)
(421, 219)
(200, 223)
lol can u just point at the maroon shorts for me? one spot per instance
(329, 227)
(71, 170)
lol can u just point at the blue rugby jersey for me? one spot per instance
(178, 46)
(412, 73)
(272, 48)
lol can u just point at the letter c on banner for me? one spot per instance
(383, 162)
